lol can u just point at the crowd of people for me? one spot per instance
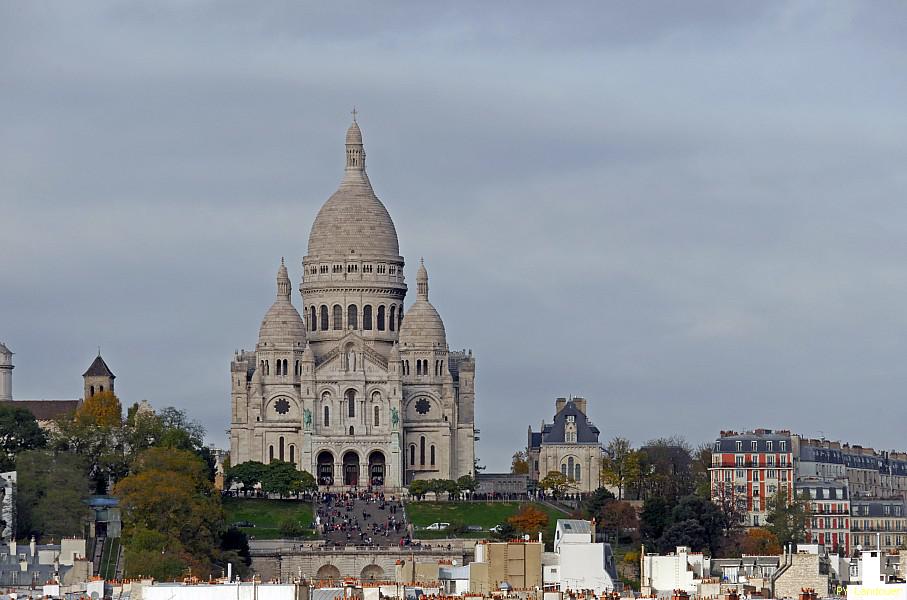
(362, 518)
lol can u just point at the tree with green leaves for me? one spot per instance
(170, 505)
(683, 533)
(19, 431)
(788, 519)
(247, 474)
(702, 462)
(707, 515)
(654, 519)
(282, 478)
(555, 482)
(51, 493)
(620, 466)
(665, 469)
(595, 502)
(418, 488)
(467, 484)
(94, 436)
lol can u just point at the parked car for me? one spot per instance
(244, 524)
(438, 526)
(496, 529)
(473, 528)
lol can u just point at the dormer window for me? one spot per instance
(571, 418)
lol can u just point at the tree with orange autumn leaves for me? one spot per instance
(529, 520)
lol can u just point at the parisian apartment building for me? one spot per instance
(857, 494)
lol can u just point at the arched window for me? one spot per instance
(432, 455)
(377, 416)
(292, 454)
(324, 317)
(313, 321)
(338, 317)
(570, 467)
(367, 317)
(91, 391)
(101, 389)
(351, 430)
(393, 318)
(400, 317)
(418, 367)
(297, 369)
(380, 323)
(327, 416)
(350, 398)
(352, 316)
(270, 453)
(564, 470)
(280, 447)
(422, 450)
(412, 454)
(267, 368)
(576, 475)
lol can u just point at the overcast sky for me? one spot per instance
(693, 214)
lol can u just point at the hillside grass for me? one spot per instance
(483, 514)
(267, 515)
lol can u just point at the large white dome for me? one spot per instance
(354, 221)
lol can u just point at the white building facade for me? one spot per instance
(578, 562)
(357, 390)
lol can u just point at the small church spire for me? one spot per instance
(422, 281)
(283, 281)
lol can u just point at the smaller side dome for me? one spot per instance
(282, 326)
(422, 325)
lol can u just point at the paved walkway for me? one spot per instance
(362, 519)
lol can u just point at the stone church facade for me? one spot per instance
(569, 445)
(357, 390)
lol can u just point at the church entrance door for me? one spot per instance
(351, 469)
(376, 468)
(325, 468)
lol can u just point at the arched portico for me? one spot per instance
(376, 468)
(325, 468)
(351, 469)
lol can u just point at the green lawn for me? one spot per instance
(267, 515)
(483, 514)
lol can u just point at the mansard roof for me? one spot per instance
(555, 433)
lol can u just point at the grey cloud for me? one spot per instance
(692, 214)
